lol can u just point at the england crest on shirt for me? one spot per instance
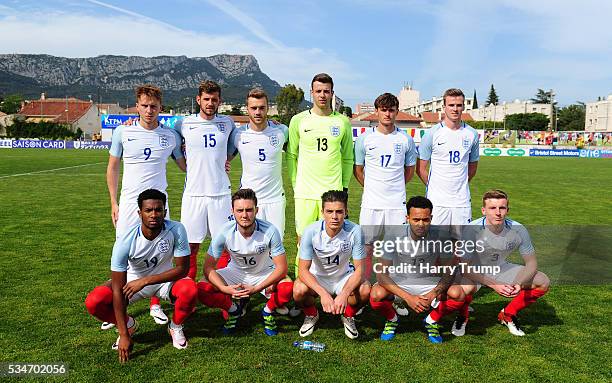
(345, 246)
(335, 130)
(260, 249)
(221, 126)
(163, 142)
(466, 143)
(163, 246)
(397, 148)
(274, 141)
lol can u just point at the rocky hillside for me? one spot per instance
(113, 78)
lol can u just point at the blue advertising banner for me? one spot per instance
(39, 144)
(595, 153)
(554, 152)
(103, 145)
(111, 121)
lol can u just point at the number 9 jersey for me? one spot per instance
(145, 154)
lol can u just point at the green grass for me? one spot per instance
(56, 238)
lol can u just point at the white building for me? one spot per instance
(499, 112)
(364, 107)
(337, 103)
(408, 97)
(435, 105)
(598, 116)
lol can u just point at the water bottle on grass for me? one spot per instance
(309, 345)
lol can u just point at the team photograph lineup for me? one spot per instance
(342, 266)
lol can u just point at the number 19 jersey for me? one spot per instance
(141, 257)
(449, 152)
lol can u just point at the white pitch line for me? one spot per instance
(50, 170)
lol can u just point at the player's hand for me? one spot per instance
(133, 287)
(417, 304)
(115, 214)
(247, 291)
(327, 302)
(429, 297)
(504, 290)
(233, 290)
(124, 348)
(516, 291)
(340, 304)
(228, 166)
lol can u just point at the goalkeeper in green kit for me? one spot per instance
(319, 153)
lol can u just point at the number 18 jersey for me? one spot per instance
(449, 152)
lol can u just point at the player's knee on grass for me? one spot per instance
(541, 281)
(456, 293)
(300, 290)
(185, 290)
(363, 294)
(378, 293)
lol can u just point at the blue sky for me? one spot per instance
(369, 47)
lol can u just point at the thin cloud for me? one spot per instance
(134, 14)
(246, 21)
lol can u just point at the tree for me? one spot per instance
(11, 104)
(571, 117)
(527, 121)
(347, 111)
(493, 99)
(235, 111)
(542, 97)
(474, 101)
(288, 102)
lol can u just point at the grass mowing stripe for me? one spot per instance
(49, 170)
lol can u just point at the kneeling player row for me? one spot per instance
(142, 266)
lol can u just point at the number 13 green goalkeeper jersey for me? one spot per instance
(319, 154)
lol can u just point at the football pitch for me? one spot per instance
(56, 240)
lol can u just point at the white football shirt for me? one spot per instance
(384, 157)
(250, 255)
(261, 154)
(331, 256)
(140, 257)
(449, 152)
(497, 247)
(145, 154)
(207, 145)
